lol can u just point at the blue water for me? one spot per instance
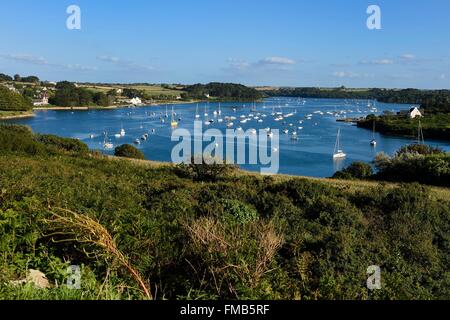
(310, 155)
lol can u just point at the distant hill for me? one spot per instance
(433, 100)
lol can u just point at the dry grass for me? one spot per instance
(70, 226)
(220, 248)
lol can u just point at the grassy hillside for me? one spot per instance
(11, 101)
(141, 230)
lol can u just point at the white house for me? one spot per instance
(42, 101)
(414, 113)
(135, 101)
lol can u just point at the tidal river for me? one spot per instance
(312, 120)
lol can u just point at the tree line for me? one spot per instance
(69, 95)
(433, 101)
(18, 78)
(226, 91)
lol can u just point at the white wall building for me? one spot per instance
(136, 101)
(414, 113)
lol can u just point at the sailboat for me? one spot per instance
(206, 112)
(106, 144)
(173, 123)
(373, 142)
(420, 138)
(196, 112)
(167, 115)
(338, 153)
(122, 131)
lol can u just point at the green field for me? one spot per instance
(150, 90)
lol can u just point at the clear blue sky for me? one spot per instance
(255, 42)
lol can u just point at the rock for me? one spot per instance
(36, 277)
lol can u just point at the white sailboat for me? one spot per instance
(373, 142)
(197, 115)
(106, 144)
(173, 123)
(338, 152)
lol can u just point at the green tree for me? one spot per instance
(5, 77)
(128, 151)
(356, 170)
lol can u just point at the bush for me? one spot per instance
(206, 170)
(128, 151)
(419, 149)
(357, 170)
(18, 139)
(63, 144)
(239, 212)
(410, 165)
(21, 139)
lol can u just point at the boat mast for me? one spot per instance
(420, 138)
(337, 145)
(373, 131)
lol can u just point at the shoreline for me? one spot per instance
(113, 107)
(17, 116)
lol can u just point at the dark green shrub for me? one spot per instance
(238, 211)
(426, 168)
(128, 151)
(419, 149)
(18, 139)
(63, 144)
(357, 170)
(206, 170)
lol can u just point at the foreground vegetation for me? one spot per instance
(140, 230)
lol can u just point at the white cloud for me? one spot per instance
(128, 65)
(25, 58)
(109, 59)
(345, 74)
(40, 61)
(408, 56)
(238, 64)
(378, 62)
(277, 61)
(80, 67)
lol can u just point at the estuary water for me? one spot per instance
(314, 121)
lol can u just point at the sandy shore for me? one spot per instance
(110, 107)
(17, 116)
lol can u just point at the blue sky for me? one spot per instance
(255, 42)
